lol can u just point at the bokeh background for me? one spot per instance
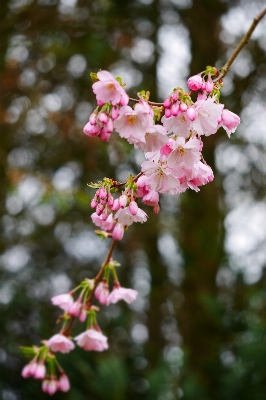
(198, 328)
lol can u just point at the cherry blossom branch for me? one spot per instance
(100, 273)
(243, 42)
(119, 184)
(151, 103)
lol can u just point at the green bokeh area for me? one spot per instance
(198, 328)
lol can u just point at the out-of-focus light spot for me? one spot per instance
(52, 102)
(63, 179)
(15, 258)
(15, 5)
(6, 293)
(13, 204)
(142, 52)
(19, 54)
(60, 283)
(46, 63)
(85, 246)
(22, 157)
(27, 78)
(62, 231)
(173, 64)
(83, 111)
(34, 122)
(139, 333)
(182, 3)
(30, 190)
(77, 65)
(66, 95)
(44, 214)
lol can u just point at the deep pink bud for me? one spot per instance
(102, 193)
(209, 85)
(102, 117)
(167, 103)
(175, 109)
(110, 200)
(99, 209)
(105, 215)
(123, 201)
(110, 125)
(116, 205)
(52, 386)
(183, 107)
(45, 385)
(168, 113)
(74, 310)
(195, 82)
(118, 232)
(100, 103)
(191, 113)
(115, 113)
(175, 96)
(93, 118)
(104, 135)
(26, 372)
(203, 85)
(82, 315)
(94, 203)
(133, 207)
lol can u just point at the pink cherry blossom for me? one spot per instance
(118, 232)
(151, 198)
(64, 301)
(207, 114)
(125, 217)
(155, 137)
(92, 340)
(120, 293)
(202, 174)
(133, 124)
(159, 177)
(230, 121)
(106, 225)
(60, 343)
(185, 152)
(180, 125)
(102, 292)
(50, 385)
(133, 207)
(108, 90)
(195, 82)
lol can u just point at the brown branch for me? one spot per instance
(243, 42)
(151, 103)
(118, 184)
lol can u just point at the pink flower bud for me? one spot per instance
(175, 96)
(102, 117)
(74, 310)
(93, 118)
(99, 209)
(195, 82)
(110, 200)
(203, 86)
(118, 232)
(94, 203)
(104, 135)
(110, 125)
(175, 109)
(116, 205)
(82, 315)
(102, 193)
(209, 85)
(124, 99)
(133, 208)
(191, 113)
(183, 107)
(52, 386)
(167, 103)
(123, 201)
(168, 113)
(115, 113)
(63, 383)
(100, 103)
(105, 215)
(26, 372)
(40, 371)
(102, 292)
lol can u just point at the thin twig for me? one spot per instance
(118, 184)
(243, 42)
(151, 103)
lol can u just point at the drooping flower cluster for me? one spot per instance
(173, 148)
(44, 365)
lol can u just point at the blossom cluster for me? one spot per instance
(172, 147)
(44, 365)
